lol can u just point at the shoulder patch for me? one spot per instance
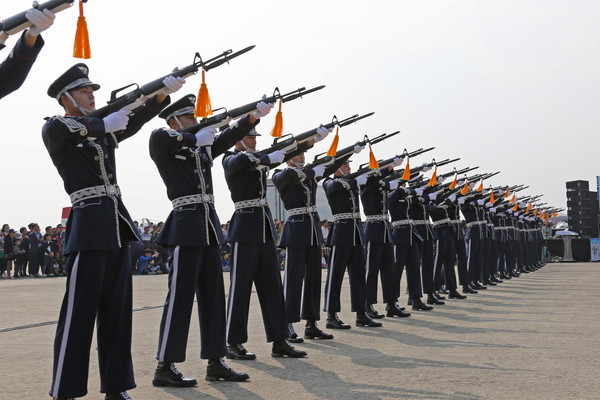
(73, 125)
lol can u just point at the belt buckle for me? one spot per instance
(111, 189)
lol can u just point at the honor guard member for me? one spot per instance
(472, 210)
(17, 65)
(346, 240)
(302, 240)
(406, 252)
(379, 249)
(98, 272)
(254, 256)
(192, 232)
(445, 255)
(459, 243)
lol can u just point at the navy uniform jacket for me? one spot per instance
(96, 223)
(398, 203)
(246, 176)
(17, 65)
(342, 196)
(454, 215)
(473, 213)
(186, 171)
(418, 212)
(298, 188)
(374, 196)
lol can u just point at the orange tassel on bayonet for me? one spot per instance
(492, 200)
(513, 199)
(480, 188)
(372, 160)
(528, 208)
(454, 182)
(433, 179)
(507, 192)
(278, 128)
(465, 189)
(516, 208)
(406, 174)
(333, 149)
(81, 48)
(203, 107)
(554, 215)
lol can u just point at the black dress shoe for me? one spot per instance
(439, 296)
(117, 396)
(505, 275)
(238, 352)
(294, 338)
(409, 302)
(312, 331)
(362, 319)
(489, 283)
(217, 369)
(392, 310)
(417, 304)
(372, 312)
(514, 274)
(333, 322)
(281, 348)
(166, 374)
(495, 280)
(431, 299)
(469, 289)
(478, 286)
(455, 295)
(443, 291)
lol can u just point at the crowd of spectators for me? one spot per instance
(29, 252)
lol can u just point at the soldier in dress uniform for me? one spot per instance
(379, 248)
(98, 272)
(302, 240)
(472, 209)
(192, 232)
(346, 240)
(254, 256)
(15, 68)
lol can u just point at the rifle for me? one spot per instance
(344, 154)
(135, 98)
(291, 141)
(415, 170)
(18, 23)
(223, 119)
(364, 168)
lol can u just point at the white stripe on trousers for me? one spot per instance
(367, 265)
(68, 318)
(469, 257)
(285, 275)
(331, 260)
(233, 275)
(173, 289)
(435, 261)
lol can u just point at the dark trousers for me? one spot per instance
(445, 258)
(193, 271)
(474, 258)
(98, 290)
(352, 258)
(302, 265)
(461, 255)
(409, 256)
(486, 257)
(255, 263)
(427, 266)
(380, 261)
(35, 258)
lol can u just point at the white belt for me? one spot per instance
(93, 192)
(338, 217)
(420, 222)
(376, 218)
(401, 222)
(474, 223)
(302, 210)
(250, 203)
(441, 221)
(455, 221)
(193, 199)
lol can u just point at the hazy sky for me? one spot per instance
(505, 85)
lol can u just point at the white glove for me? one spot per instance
(205, 137)
(358, 149)
(322, 133)
(441, 179)
(510, 211)
(319, 170)
(488, 204)
(276, 157)
(172, 84)
(361, 180)
(493, 210)
(471, 185)
(480, 202)
(426, 167)
(40, 20)
(419, 191)
(393, 185)
(461, 200)
(452, 197)
(432, 196)
(398, 161)
(262, 109)
(116, 121)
